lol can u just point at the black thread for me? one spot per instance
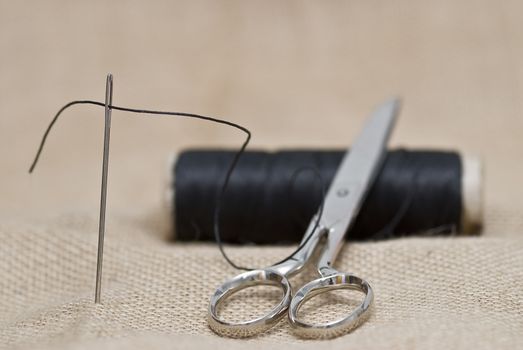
(415, 192)
(229, 170)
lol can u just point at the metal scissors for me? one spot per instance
(344, 197)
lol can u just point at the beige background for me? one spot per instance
(297, 74)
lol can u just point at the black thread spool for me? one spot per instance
(272, 196)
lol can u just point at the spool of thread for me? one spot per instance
(272, 196)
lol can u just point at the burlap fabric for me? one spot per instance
(297, 74)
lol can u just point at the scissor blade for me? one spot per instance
(358, 169)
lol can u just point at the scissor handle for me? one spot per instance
(254, 326)
(338, 327)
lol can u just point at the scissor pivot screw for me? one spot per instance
(342, 192)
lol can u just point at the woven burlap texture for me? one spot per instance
(425, 288)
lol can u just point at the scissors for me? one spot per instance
(354, 177)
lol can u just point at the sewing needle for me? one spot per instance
(101, 227)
